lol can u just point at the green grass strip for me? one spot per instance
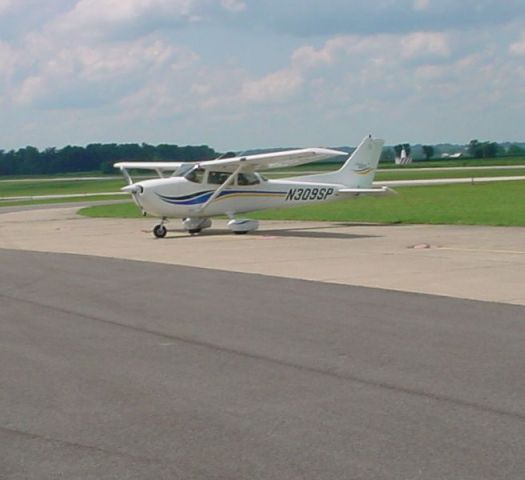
(500, 204)
(95, 198)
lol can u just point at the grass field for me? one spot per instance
(483, 204)
(65, 187)
(94, 198)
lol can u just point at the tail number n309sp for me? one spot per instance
(297, 194)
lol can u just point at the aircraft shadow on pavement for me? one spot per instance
(311, 232)
(298, 232)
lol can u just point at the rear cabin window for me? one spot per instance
(196, 175)
(247, 179)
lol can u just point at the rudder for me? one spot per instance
(359, 169)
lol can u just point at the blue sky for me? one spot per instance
(239, 74)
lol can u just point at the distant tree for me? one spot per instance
(483, 149)
(3, 164)
(475, 149)
(428, 151)
(96, 156)
(516, 150)
(490, 149)
(388, 155)
(398, 149)
(107, 167)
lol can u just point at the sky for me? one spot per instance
(241, 74)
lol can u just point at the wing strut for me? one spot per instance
(127, 176)
(217, 192)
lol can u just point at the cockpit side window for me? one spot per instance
(196, 175)
(218, 178)
(247, 179)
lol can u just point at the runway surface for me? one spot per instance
(476, 262)
(114, 369)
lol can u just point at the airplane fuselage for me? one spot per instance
(230, 186)
(177, 197)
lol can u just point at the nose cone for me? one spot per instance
(133, 188)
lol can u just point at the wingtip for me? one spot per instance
(329, 151)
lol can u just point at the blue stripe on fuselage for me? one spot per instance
(202, 197)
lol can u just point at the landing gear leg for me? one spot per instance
(160, 230)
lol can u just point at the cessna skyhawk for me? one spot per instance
(197, 191)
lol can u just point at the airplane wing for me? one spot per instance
(261, 161)
(157, 166)
(265, 161)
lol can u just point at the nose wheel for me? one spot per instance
(160, 230)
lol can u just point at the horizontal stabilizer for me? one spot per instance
(368, 191)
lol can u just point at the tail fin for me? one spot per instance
(360, 168)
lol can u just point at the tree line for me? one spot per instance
(94, 157)
(474, 149)
(101, 157)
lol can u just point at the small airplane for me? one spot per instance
(197, 191)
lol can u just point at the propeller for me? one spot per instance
(134, 188)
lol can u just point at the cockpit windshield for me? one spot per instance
(183, 169)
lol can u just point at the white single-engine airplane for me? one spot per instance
(197, 191)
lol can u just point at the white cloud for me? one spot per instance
(8, 60)
(421, 5)
(124, 18)
(234, 5)
(308, 56)
(277, 86)
(424, 46)
(518, 48)
(303, 19)
(5, 5)
(85, 75)
(190, 67)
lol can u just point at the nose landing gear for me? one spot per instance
(160, 229)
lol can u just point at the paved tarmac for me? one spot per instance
(476, 262)
(115, 369)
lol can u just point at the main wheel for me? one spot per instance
(193, 231)
(241, 232)
(160, 231)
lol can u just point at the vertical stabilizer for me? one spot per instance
(358, 171)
